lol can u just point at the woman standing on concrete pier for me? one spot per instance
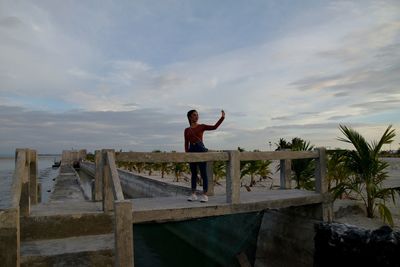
(194, 143)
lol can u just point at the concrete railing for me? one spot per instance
(107, 179)
(234, 157)
(108, 187)
(24, 192)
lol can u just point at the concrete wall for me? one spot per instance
(286, 237)
(135, 186)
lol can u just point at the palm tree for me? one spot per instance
(367, 172)
(336, 167)
(249, 168)
(138, 166)
(148, 166)
(283, 144)
(303, 169)
(179, 168)
(219, 170)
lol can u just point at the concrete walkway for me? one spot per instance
(67, 186)
(164, 209)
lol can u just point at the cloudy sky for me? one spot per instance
(123, 74)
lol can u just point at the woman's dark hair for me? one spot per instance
(190, 112)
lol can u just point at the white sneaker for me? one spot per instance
(203, 198)
(192, 197)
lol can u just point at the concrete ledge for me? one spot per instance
(76, 251)
(9, 246)
(9, 237)
(61, 226)
(178, 208)
(286, 238)
(141, 187)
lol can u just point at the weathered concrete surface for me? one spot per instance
(286, 237)
(61, 226)
(9, 237)
(75, 251)
(67, 186)
(123, 234)
(141, 187)
(178, 208)
(168, 202)
(164, 209)
(68, 230)
(66, 208)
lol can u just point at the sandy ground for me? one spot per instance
(348, 211)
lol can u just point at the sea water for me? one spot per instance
(46, 174)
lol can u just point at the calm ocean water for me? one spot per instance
(45, 173)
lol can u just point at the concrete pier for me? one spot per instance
(73, 230)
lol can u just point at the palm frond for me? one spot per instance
(387, 138)
(385, 213)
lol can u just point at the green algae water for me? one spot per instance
(213, 241)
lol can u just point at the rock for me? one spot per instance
(345, 245)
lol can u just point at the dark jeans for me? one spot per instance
(201, 166)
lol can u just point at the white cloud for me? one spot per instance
(323, 65)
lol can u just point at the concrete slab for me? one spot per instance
(75, 251)
(178, 208)
(66, 208)
(51, 247)
(67, 186)
(62, 226)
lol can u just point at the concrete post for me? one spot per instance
(233, 177)
(98, 176)
(321, 185)
(108, 198)
(66, 158)
(25, 195)
(33, 170)
(210, 176)
(286, 173)
(123, 232)
(82, 154)
(10, 237)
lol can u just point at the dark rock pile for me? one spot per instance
(345, 245)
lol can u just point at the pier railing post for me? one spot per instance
(98, 176)
(33, 169)
(210, 176)
(82, 154)
(25, 195)
(321, 185)
(108, 198)
(10, 237)
(123, 233)
(233, 177)
(286, 173)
